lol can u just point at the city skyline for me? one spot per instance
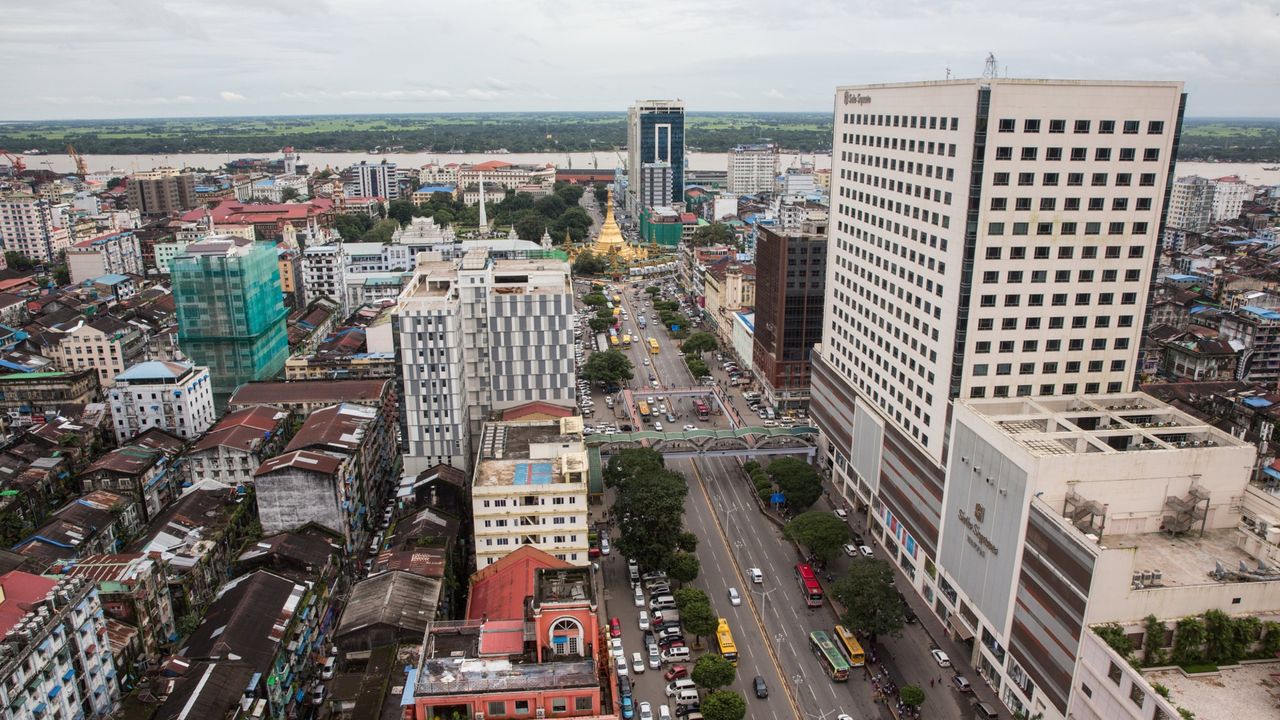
(182, 60)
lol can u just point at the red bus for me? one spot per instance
(701, 408)
(808, 582)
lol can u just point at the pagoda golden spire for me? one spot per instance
(610, 240)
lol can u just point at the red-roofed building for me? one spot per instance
(499, 590)
(269, 219)
(234, 448)
(531, 644)
(58, 663)
(536, 410)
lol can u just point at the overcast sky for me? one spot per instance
(145, 58)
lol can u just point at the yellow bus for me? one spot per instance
(617, 299)
(724, 642)
(642, 407)
(617, 312)
(653, 346)
(626, 341)
(849, 646)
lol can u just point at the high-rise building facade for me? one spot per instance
(1191, 203)
(791, 269)
(376, 180)
(475, 335)
(27, 226)
(162, 191)
(989, 238)
(752, 168)
(655, 140)
(231, 318)
(174, 396)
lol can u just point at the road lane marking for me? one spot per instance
(755, 613)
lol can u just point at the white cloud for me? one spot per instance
(1223, 49)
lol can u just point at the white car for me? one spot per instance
(620, 664)
(646, 362)
(940, 658)
(639, 597)
(866, 551)
(657, 426)
(654, 383)
(734, 597)
(690, 427)
(616, 649)
(655, 658)
(842, 513)
(644, 619)
(637, 663)
(756, 575)
(646, 711)
(850, 550)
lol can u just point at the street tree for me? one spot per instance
(683, 567)
(821, 532)
(687, 541)
(570, 193)
(871, 602)
(400, 210)
(594, 299)
(713, 672)
(911, 695)
(797, 480)
(687, 597)
(699, 620)
(700, 342)
(697, 367)
(553, 206)
(599, 324)
(601, 192)
(724, 705)
(631, 462)
(608, 366)
(653, 290)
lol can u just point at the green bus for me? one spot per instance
(833, 662)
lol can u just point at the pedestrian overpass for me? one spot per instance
(745, 441)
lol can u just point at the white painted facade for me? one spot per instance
(324, 273)
(477, 335)
(176, 397)
(752, 168)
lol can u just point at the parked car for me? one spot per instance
(615, 627)
(842, 513)
(620, 664)
(637, 663)
(940, 658)
(644, 619)
(849, 550)
(675, 672)
(961, 683)
(866, 551)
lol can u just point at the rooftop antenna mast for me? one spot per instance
(948, 73)
(990, 71)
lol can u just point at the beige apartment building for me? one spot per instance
(530, 488)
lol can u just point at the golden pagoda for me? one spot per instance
(610, 241)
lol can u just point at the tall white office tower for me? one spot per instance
(989, 238)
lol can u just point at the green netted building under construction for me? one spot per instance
(231, 315)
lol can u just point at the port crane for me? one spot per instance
(15, 161)
(82, 168)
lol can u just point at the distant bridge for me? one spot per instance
(747, 441)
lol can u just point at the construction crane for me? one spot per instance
(82, 168)
(15, 161)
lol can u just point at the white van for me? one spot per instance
(676, 686)
(662, 602)
(639, 597)
(676, 654)
(327, 672)
(687, 697)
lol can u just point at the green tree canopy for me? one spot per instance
(724, 705)
(599, 324)
(687, 541)
(530, 225)
(402, 210)
(713, 672)
(114, 183)
(697, 367)
(911, 695)
(587, 263)
(713, 234)
(653, 290)
(871, 602)
(553, 206)
(649, 507)
(687, 597)
(797, 480)
(594, 299)
(602, 192)
(821, 532)
(700, 342)
(570, 193)
(683, 567)
(699, 620)
(607, 366)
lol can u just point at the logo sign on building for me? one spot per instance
(853, 98)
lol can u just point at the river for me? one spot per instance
(1250, 172)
